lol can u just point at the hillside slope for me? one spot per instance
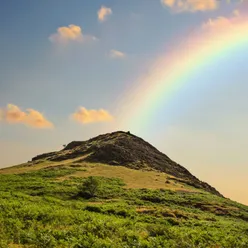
(142, 199)
(125, 149)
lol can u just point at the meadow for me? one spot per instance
(48, 207)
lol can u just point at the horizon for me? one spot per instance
(170, 72)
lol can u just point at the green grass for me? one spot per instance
(37, 209)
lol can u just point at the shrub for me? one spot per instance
(90, 187)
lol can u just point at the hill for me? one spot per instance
(141, 199)
(125, 149)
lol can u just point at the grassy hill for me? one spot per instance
(142, 199)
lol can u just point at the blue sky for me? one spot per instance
(67, 80)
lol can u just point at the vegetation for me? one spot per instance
(89, 187)
(51, 207)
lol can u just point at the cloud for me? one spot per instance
(222, 22)
(85, 116)
(190, 5)
(103, 12)
(169, 3)
(12, 114)
(219, 22)
(70, 33)
(115, 54)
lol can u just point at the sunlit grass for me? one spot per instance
(44, 207)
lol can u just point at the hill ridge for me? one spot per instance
(125, 149)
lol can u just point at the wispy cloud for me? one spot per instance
(191, 5)
(84, 116)
(115, 54)
(103, 13)
(70, 33)
(219, 22)
(222, 22)
(12, 114)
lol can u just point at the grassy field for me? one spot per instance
(44, 205)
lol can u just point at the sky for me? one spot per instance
(173, 72)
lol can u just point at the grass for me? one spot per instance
(34, 166)
(132, 178)
(44, 207)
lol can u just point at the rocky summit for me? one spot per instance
(125, 149)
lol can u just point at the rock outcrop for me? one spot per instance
(124, 149)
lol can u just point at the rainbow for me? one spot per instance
(173, 70)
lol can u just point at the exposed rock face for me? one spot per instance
(125, 149)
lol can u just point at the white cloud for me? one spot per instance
(218, 22)
(103, 13)
(84, 116)
(70, 33)
(115, 54)
(222, 22)
(12, 114)
(190, 5)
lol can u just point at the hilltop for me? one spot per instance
(141, 199)
(125, 149)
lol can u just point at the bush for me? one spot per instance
(90, 187)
